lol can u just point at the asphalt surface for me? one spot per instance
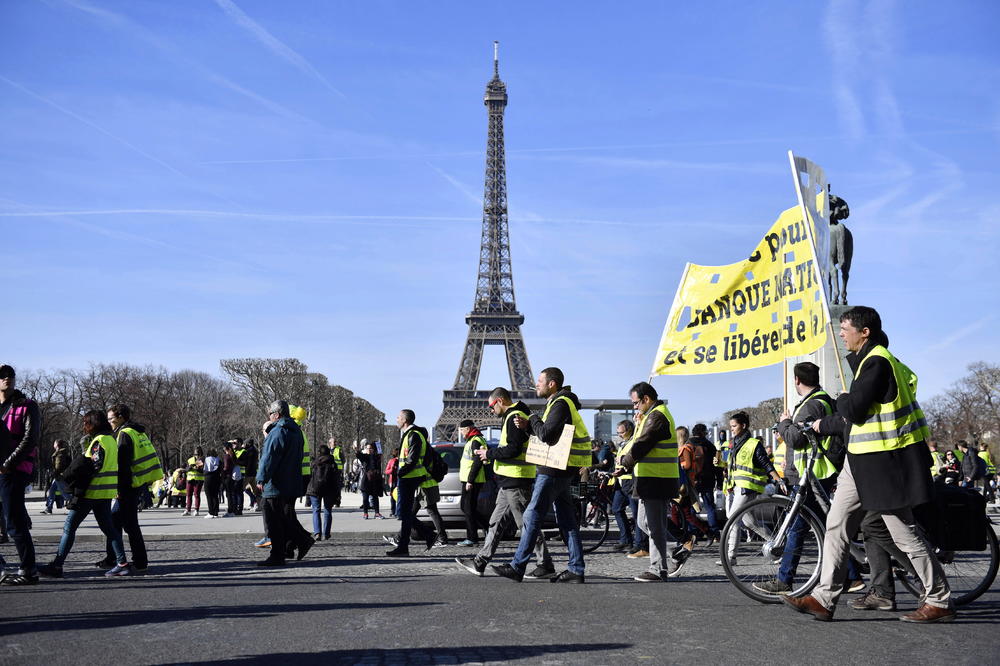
(345, 603)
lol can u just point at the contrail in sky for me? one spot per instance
(273, 43)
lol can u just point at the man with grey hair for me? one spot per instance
(279, 477)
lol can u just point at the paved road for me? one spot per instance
(345, 603)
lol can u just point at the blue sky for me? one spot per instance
(187, 181)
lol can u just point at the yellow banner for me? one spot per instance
(748, 314)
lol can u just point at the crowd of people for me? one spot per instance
(877, 460)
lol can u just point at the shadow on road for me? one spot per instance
(126, 618)
(441, 655)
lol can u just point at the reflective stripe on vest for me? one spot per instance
(146, 467)
(661, 461)
(104, 485)
(468, 457)
(515, 468)
(418, 471)
(579, 452)
(822, 467)
(893, 425)
(779, 458)
(194, 474)
(988, 459)
(622, 452)
(743, 473)
(306, 468)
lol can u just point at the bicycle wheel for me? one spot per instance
(969, 572)
(750, 555)
(594, 528)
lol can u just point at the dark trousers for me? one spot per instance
(282, 526)
(881, 550)
(234, 497)
(708, 503)
(619, 506)
(407, 516)
(213, 480)
(125, 513)
(470, 507)
(12, 485)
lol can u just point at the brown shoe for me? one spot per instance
(637, 554)
(809, 605)
(927, 614)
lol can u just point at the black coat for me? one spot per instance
(323, 479)
(371, 474)
(886, 480)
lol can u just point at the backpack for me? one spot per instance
(435, 464)
(980, 467)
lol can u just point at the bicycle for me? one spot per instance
(769, 520)
(591, 501)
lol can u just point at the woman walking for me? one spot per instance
(371, 478)
(195, 481)
(322, 489)
(93, 483)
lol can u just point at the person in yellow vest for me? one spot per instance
(195, 481)
(747, 473)
(815, 403)
(991, 471)
(177, 482)
(886, 471)
(133, 447)
(778, 456)
(552, 484)
(514, 477)
(412, 449)
(472, 476)
(937, 461)
(337, 451)
(631, 538)
(652, 461)
(299, 415)
(93, 481)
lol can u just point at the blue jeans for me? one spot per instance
(327, 515)
(619, 504)
(639, 538)
(550, 491)
(408, 519)
(51, 497)
(708, 502)
(102, 513)
(125, 513)
(12, 485)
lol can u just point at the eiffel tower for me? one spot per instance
(494, 319)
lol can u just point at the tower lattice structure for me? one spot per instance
(494, 319)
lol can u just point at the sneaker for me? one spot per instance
(638, 554)
(472, 564)
(567, 577)
(391, 540)
(317, 537)
(106, 563)
(263, 543)
(854, 585)
(186, 513)
(46, 511)
(873, 601)
(648, 577)
(675, 565)
(197, 512)
(438, 543)
(508, 571)
(732, 562)
(467, 543)
(118, 570)
(773, 586)
(210, 516)
(19, 579)
(541, 572)
(50, 571)
(379, 516)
